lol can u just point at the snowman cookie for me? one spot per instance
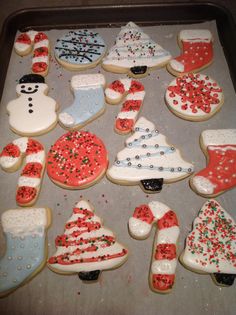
(33, 112)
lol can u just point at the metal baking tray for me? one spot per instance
(124, 290)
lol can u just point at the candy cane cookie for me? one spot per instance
(132, 91)
(38, 41)
(164, 257)
(29, 182)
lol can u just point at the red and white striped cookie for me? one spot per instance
(40, 44)
(164, 258)
(29, 182)
(133, 92)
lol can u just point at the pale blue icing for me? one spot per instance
(24, 254)
(80, 47)
(87, 103)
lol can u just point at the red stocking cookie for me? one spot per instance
(211, 245)
(197, 52)
(194, 97)
(31, 176)
(40, 43)
(77, 160)
(86, 247)
(220, 174)
(134, 93)
(164, 258)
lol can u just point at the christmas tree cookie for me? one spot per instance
(211, 245)
(164, 257)
(197, 52)
(135, 53)
(148, 160)
(26, 248)
(86, 247)
(219, 146)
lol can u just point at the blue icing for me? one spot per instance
(87, 103)
(80, 47)
(24, 254)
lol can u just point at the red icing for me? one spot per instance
(195, 93)
(84, 225)
(41, 51)
(168, 220)
(24, 39)
(165, 251)
(221, 168)
(117, 86)
(136, 87)
(38, 67)
(33, 146)
(32, 169)
(143, 213)
(39, 37)
(131, 105)
(195, 55)
(124, 124)
(11, 150)
(25, 194)
(163, 282)
(77, 159)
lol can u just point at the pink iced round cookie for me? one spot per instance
(77, 160)
(194, 97)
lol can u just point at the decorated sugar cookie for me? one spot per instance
(80, 49)
(89, 101)
(211, 245)
(86, 247)
(197, 52)
(77, 160)
(164, 257)
(135, 53)
(219, 146)
(132, 91)
(194, 97)
(33, 113)
(148, 160)
(26, 247)
(30, 180)
(38, 41)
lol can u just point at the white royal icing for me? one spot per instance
(165, 266)
(168, 235)
(176, 65)
(195, 35)
(40, 59)
(23, 117)
(84, 80)
(21, 143)
(8, 161)
(203, 185)
(42, 43)
(138, 228)
(159, 209)
(218, 137)
(146, 159)
(28, 181)
(38, 157)
(25, 221)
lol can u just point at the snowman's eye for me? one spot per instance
(36, 86)
(22, 86)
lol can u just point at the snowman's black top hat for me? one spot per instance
(32, 78)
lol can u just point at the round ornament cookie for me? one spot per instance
(77, 160)
(194, 97)
(80, 49)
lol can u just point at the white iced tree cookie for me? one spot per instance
(26, 249)
(135, 53)
(86, 247)
(148, 160)
(33, 112)
(211, 245)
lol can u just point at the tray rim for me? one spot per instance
(16, 20)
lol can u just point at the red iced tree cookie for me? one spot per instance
(197, 52)
(133, 92)
(211, 245)
(164, 258)
(77, 160)
(86, 247)
(220, 173)
(194, 97)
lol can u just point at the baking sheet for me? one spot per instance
(124, 290)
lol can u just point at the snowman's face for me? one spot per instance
(30, 88)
